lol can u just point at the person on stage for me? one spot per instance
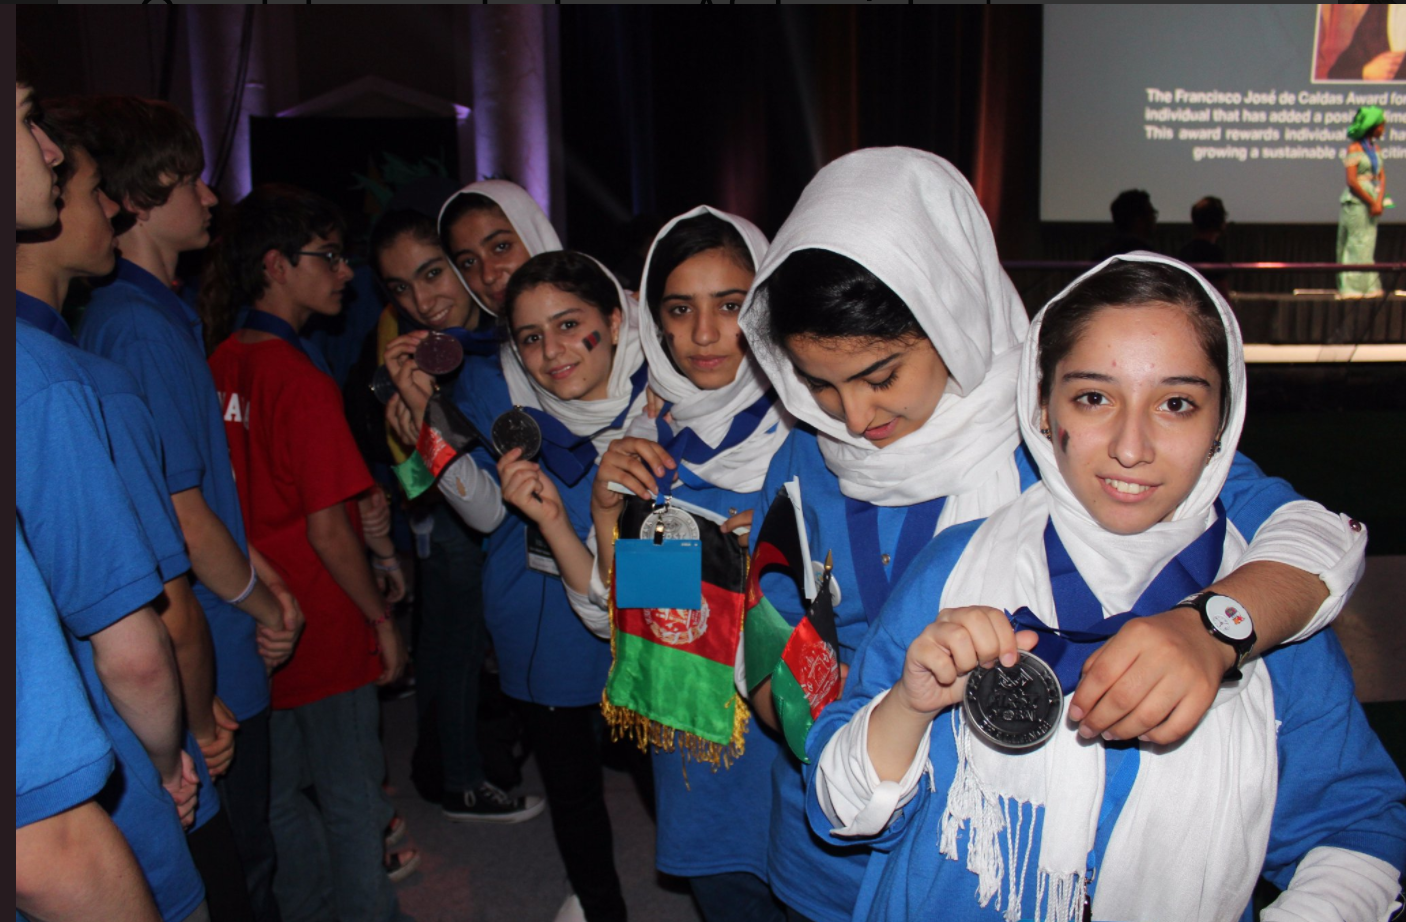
(1362, 203)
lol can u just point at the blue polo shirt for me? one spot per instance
(62, 756)
(92, 553)
(135, 451)
(139, 323)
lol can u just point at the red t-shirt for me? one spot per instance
(293, 455)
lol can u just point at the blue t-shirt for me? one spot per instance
(142, 325)
(715, 822)
(90, 549)
(545, 654)
(798, 857)
(135, 450)
(1337, 786)
(62, 756)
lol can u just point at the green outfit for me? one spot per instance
(1357, 228)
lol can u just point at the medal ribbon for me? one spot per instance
(863, 520)
(1082, 627)
(474, 342)
(687, 445)
(568, 455)
(38, 314)
(267, 323)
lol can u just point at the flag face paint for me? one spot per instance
(591, 340)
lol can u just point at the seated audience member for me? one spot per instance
(1208, 219)
(299, 476)
(1134, 219)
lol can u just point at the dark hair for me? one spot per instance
(822, 295)
(392, 225)
(686, 240)
(1130, 205)
(1208, 214)
(460, 205)
(565, 270)
(144, 147)
(1130, 284)
(272, 217)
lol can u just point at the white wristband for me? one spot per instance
(248, 590)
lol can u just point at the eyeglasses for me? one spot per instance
(335, 261)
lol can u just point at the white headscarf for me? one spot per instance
(910, 218)
(588, 417)
(709, 413)
(530, 223)
(1193, 833)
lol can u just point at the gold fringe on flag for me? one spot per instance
(625, 723)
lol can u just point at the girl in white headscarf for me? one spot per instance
(883, 318)
(709, 446)
(1131, 396)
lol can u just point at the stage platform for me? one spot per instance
(1317, 326)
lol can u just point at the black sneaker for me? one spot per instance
(490, 804)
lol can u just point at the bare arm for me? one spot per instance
(339, 548)
(218, 561)
(76, 866)
(135, 663)
(185, 622)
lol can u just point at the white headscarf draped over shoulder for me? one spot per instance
(1187, 868)
(523, 213)
(709, 413)
(910, 218)
(588, 417)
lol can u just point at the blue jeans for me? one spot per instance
(330, 852)
(450, 649)
(736, 896)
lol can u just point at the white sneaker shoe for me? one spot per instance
(571, 910)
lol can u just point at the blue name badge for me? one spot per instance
(665, 575)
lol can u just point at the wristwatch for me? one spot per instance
(1227, 621)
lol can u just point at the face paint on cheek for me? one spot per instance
(591, 340)
(1064, 440)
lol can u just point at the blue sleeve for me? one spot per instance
(85, 535)
(1337, 785)
(136, 452)
(1250, 497)
(175, 413)
(878, 664)
(62, 756)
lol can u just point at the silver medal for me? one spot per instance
(677, 524)
(515, 429)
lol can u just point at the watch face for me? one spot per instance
(1229, 617)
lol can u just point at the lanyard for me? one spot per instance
(875, 583)
(38, 314)
(687, 445)
(1082, 627)
(568, 455)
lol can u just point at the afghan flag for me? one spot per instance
(672, 680)
(802, 663)
(445, 434)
